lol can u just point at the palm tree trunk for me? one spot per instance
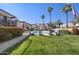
(66, 19)
(59, 25)
(50, 24)
(43, 24)
(62, 25)
(50, 20)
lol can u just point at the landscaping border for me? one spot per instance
(9, 50)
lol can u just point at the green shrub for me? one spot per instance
(64, 32)
(75, 31)
(9, 33)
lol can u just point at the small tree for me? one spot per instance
(42, 17)
(59, 22)
(53, 25)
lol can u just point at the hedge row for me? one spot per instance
(64, 32)
(74, 31)
(9, 33)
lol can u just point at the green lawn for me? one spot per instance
(56, 45)
(53, 45)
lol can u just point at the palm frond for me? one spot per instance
(50, 9)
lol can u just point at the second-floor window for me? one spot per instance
(5, 19)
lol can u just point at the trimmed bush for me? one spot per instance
(64, 32)
(75, 31)
(9, 33)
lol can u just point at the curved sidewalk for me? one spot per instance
(7, 44)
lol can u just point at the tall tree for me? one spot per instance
(66, 9)
(50, 10)
(43, 17)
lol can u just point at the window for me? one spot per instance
(4, 19)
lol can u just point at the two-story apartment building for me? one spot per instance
(9, 20)
(22, 24)
(6, 18)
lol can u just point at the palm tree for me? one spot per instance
(50, 10)
(66, 9)
(42, 17)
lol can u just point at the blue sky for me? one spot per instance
(31, 12)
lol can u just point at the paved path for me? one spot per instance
(8, 44)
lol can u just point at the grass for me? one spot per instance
(53, 45)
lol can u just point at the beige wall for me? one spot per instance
(1, 17)
(19, 24)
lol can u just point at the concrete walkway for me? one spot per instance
(7, 44)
